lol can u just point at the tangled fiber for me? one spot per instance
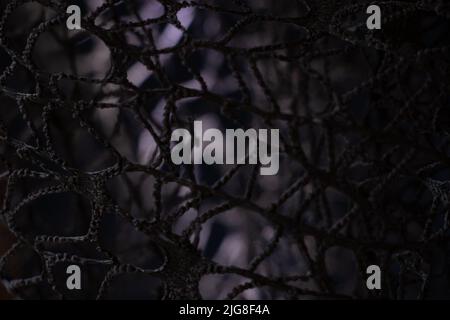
(86, 176)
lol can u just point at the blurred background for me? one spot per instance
(86, 117)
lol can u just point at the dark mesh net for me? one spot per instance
(86, 176)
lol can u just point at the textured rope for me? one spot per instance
(85, 154)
